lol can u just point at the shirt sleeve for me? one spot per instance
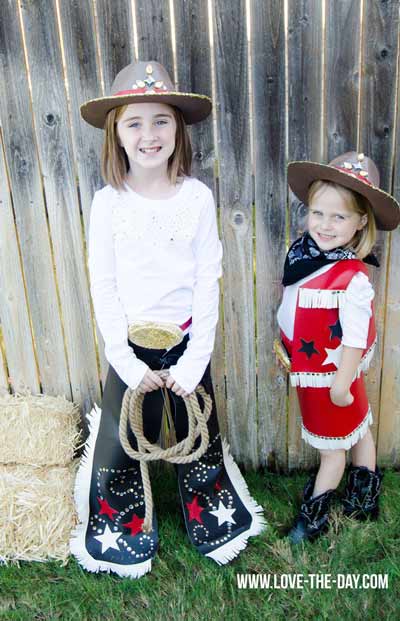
(207, 249)
(109, 312)
(356, 311)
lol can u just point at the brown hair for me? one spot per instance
(114, 161)
(364, 239)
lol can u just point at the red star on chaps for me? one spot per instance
(106, 509)
(135, 525)
(195, 510)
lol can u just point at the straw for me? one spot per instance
(37, 430)
(37, 512)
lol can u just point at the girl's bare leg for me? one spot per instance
(364, 453)
(330, 471)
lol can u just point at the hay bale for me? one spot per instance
(37, 430)
(37, 512)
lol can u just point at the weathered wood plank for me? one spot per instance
(193, 61)
(389, 418)
(154, 32)
(237, 225)
(83, 76)
(115, 31)
(4, 385)
(342, 76)
(22, 161)
(305, 31)
(305, 70)
(14, 312)
(268, 87)
(377, 130)
(59, 184)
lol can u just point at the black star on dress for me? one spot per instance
(308, 348)
(336, 330)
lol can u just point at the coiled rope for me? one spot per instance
(181, 453)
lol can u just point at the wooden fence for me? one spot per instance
(292, 79)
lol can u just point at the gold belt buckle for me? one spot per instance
(155, 335)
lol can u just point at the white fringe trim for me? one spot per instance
(226, 553)
(346, 442)
(321, 298)
(82, 491)
(309, 379)
(312, 380)
(366, 360)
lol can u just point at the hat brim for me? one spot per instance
(194, 107)
(302, 174)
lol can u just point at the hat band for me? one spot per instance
(354, 174)
(139, 91)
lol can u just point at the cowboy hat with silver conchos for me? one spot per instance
(145, 82)
(355, 171)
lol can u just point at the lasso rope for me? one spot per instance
(181, 453)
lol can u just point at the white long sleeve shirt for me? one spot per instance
(155, 260)
(354, 315)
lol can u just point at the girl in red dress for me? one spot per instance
(327, 327)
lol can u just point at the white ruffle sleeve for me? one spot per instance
(110, 315)
(356, 312)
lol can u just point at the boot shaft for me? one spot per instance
(313, 517)
(361, 496)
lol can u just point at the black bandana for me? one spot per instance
(305, 257)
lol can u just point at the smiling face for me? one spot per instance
(332, 223)
(147, 131)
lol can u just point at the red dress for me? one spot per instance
(315, 353)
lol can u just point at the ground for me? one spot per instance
(183, 585)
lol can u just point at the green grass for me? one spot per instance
(183, 585)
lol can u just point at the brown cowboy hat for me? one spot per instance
(355, 171)
(145, 82)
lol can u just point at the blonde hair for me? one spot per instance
(115, 163)
(364, 239)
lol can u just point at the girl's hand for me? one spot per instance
(340, 397)
(150, 382)
(174, 386)
(340, 392)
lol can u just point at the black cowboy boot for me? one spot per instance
(312, 520)
(361, 495)
(218, 510)
(109, 492)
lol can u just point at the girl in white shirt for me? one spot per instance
(154, 256)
